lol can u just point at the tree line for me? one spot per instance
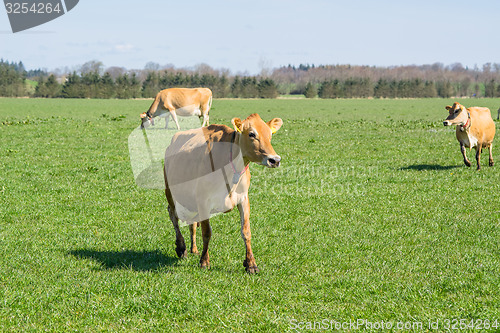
(364, 88)
(391, 82)
(91, 80)
(93, 85)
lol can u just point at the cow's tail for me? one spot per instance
(210, 102)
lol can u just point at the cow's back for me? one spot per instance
(182, 97)
(185, 157)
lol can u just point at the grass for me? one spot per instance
(372, 215)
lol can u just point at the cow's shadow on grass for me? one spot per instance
(128, 259)
(422, 167)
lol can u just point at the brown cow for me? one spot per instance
(180, 101)
(475, 129)
(206, 172)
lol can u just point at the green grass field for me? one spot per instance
(372, 215)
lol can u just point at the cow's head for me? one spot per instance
(145, 120)
(458, 115)
(255, 139)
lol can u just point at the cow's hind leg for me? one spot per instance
(478, 156)
(490, 148)
(249, 262)
(464, 154)
(206, 231)
(192, 231)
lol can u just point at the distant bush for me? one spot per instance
(310, 90)
(12, 80)
(48, 88)
(267, 89)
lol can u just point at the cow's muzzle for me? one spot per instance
(446, 123)
(146, 120)
(272, 161)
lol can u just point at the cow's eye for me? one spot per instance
(251, 134)
(456, 111)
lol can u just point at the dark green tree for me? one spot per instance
(122, 86)
(106, 87)
(151, 85)
(73, 87)
(249, 85)
(267, 88)
(12, 80)
(490, 89)
(430, 90)
(330, 89)
(310, 90)
(237, 87)
(444, 89)
(49, 88)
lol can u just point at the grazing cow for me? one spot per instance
(206, 171)
(180, 101)
(475, 129)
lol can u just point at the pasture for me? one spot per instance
(372, 215)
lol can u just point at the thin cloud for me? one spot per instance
(123, 48)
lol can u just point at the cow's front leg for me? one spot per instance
(180, 245)
(464, 154)
(490, 148)
(249, 263)
(174, 117)
(206, 231)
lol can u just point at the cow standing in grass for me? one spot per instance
(474, 129)
(206, 172)
(180, 102)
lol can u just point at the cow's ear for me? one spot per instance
(238, 124)
(275, 124)
(448, 107)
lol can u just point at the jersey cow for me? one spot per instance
(206, 172)
(474, 129)
(180, 101)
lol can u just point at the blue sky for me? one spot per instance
(245, 36)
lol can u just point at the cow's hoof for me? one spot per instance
(181, 252)
(478, 168)
(467, 163)
(492, 163)
(204, 265)
(251, 269)
(195, 251)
